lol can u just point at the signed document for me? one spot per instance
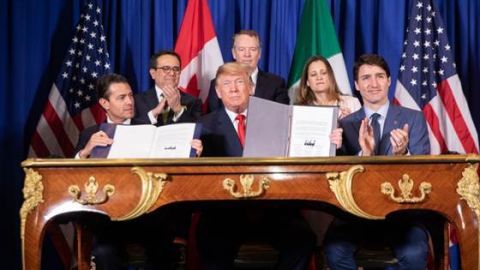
(275, 129)
(310, 131)
(148, 141)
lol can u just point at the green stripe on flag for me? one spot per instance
(316, 36)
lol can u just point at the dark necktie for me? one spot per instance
(165, 111)
(376, 131)
(241, 128)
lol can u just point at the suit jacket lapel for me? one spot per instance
(151, 98)
(391, 122)
(260, 86)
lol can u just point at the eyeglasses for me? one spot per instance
(167, 69)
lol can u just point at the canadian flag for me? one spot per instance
(198, 48)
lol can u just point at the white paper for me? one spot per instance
(148, 141)
(310, 131)
(132, 141)
(173, 141)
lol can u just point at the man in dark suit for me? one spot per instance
(153, 233)
(379, 128)
(221, 232)
(165, 103)
(116, 98)
(247, 51)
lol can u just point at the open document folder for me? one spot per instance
(275, 129)
(148, 141)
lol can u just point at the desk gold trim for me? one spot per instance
(33, 196)
(341, 186)
(152, 187)
(405, 185)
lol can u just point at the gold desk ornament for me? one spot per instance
(247, 182)
(91, 190)
(33, 196)
(341, 186)
(469, 188)
(152, 187)
(406, 186)
(32, 193)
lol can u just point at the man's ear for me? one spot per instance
(219, 93)
(104, 103)
(356, 86)
(152, 73)
(233, 54)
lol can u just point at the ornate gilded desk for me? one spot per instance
(367, 187)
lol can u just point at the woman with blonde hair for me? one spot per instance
(319, 87)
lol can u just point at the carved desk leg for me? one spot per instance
(32, 238)
(32, 224)
(468, 187)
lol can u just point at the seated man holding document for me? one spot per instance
(150, 235)
(222, 231)
(116, 98)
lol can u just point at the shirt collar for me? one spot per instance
(159, 92)
(254, 76)
(126, 122)
(233, 115)
(382, 111)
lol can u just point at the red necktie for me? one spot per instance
(241, 128)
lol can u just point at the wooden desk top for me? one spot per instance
(370, 188)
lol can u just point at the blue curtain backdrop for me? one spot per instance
(34, 36)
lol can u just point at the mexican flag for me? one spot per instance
(317, 36)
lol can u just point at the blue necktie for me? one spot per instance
(376, 131)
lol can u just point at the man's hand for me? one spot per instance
(399, 140)
(366, 138)
(198, 146)
(99, 138)
(172, 95)
(160, 108)
(336, 137)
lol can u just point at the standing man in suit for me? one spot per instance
(247, 51)
(165, 103)
(222, 231)
(379, 128)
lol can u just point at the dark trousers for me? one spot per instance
(408, 241)
(221, 232)
(148, 239)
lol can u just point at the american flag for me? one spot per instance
(428, 81)
(72, 102)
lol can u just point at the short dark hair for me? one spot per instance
(370, 59)
(104, 82)
(153, 59)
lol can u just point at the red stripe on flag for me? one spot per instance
(77, 119)
(39, 146)
(56, 125)
(459, 124)
(432, 119)
(98, 113)
(202, 25)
